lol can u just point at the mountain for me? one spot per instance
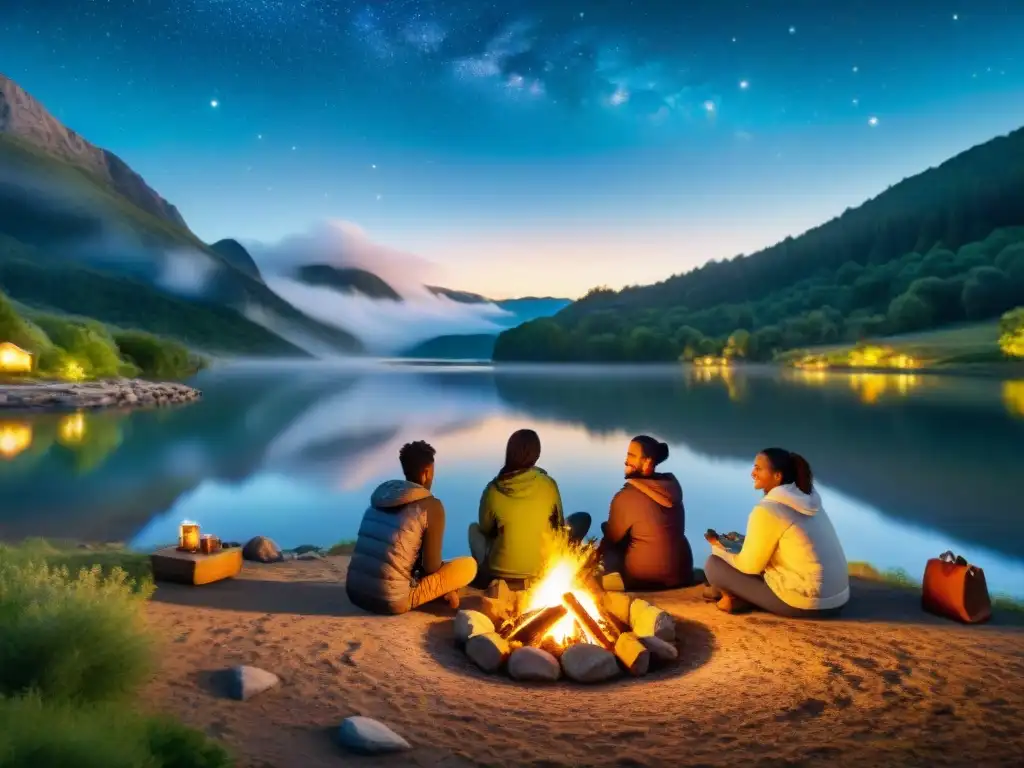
(73, 215)
(234, 253)
(22, 117)
(480, 346)
(470, 346)
(347, 280)
(942, 247)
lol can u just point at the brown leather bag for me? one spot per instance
(955, 589)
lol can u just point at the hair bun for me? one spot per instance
(662, 452)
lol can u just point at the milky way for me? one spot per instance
(566, 118)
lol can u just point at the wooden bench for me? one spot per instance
(195, 568)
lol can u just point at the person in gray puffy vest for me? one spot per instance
(396, 565)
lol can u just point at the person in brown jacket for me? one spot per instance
(644, 539)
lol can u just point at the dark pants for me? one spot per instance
(613, 559)
(753, 590)
(479, 545)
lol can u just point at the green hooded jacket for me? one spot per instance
(518, 512)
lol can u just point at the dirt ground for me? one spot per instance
(885, 685)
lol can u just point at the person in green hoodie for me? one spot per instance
(519, 509)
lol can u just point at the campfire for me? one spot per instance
(565, 622)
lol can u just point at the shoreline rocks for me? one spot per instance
(42, 396)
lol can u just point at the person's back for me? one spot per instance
(380, 573)
(808, 568)
(519, 511)
(644, 538)
(648, 514)
(396, 565)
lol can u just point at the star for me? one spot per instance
(294, 148)
(872, 121)
(709, 106)
(259, 136)
(374, 166)
(744, 84)
(956, 17)
(214, 103)
(792, 30)
(856, 69)
(856, 102)
(734, 39)
(379, 196)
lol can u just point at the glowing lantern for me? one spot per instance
(73, 371)
(14, 438)
(14, 359)
(188, 536)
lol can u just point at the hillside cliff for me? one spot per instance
(25, 118)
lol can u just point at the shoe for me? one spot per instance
(452, 598)
(732, 604)
(712, 594)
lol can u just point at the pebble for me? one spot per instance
(488, 651)
(107, 393)
(260, 549)
(587, 663)
(660, 650)
(244, 682)
(529, 664)
(469, 623)
(370, 737)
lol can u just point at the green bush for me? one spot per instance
(157, 358)
(86, 342)
(39, 734)
(77, 639)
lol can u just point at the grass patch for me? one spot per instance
(900, 579)
(107, 557)
(343, 547)
(74, 652)
(975, 343)
(39, 734)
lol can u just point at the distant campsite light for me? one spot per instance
(14, 359)
(73, 371)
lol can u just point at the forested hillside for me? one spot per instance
(942, 247)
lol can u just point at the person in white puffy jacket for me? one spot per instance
(791, 562)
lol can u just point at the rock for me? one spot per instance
(245, 682)
(660, 650)
(309, 556)
(587, 663)
(499, 590)
(488, 651)
(370, 737)
(469, 623)
(646, 620)
(260, 549)
(533, 665)
(304, 548)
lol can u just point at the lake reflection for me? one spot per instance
(909, 464)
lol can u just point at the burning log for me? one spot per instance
(605, 636)
(633, 654)
(534, 625)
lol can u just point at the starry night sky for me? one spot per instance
(535, 146)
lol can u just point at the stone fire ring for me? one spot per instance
(649, 641)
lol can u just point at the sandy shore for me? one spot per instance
(885, 685)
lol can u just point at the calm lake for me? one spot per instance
(908, 465)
